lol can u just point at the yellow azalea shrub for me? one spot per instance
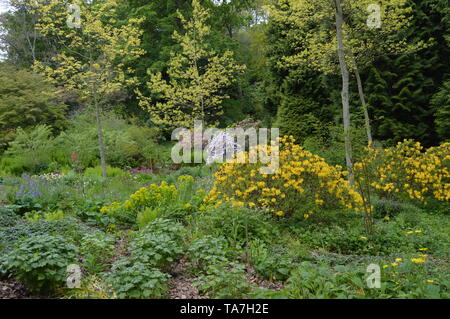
(303, 184)
(406, 171)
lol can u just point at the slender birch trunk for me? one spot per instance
(364, 105)
(101, 143)
(345, 89)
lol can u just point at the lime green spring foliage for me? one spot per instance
(317, 49)
(97, 171)
(161, 200)
(197, 77)
(90, 65)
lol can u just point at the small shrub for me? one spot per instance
(207, 251)
(147, 216)
(155, 249)
(97, 250)
(270, 262)
(158, 244)
(237, 225)
(30, 150)
(171, 200)
(40, 261)
(152, 196)
(224, 281)
(389, 208)
(136, 280)
(175, 230)
(162, 196)
(8, 217)
(110, 171)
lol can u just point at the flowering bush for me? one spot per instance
(303, 184)
(145, 197)
(407, 172)
(163, 197)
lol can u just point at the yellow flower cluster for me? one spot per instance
(417, 231)
(394, 264)
(114, 206)
(419, 260)
(303, 184)
(151, 196)
(407, 171)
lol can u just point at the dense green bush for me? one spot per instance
(155, 249)
(35, 150)
(27, 99)
(110, 171)
(271, 262)
(127, 145)
(237, 225)
(166, 226)
(206, 251)
(8, 217)
(96, 250)
(329, 144)
(30, 151)
(40, 261)
(388, 208)
(224, 281)
(296, 117)
(136, 280)
(158, 244)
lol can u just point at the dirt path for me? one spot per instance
(13, 289)
(181, 285)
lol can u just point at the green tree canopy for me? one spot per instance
(27, 99)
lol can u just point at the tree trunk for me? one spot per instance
(101, 144)
(230, 30)
(364, 105)
(345, 89)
